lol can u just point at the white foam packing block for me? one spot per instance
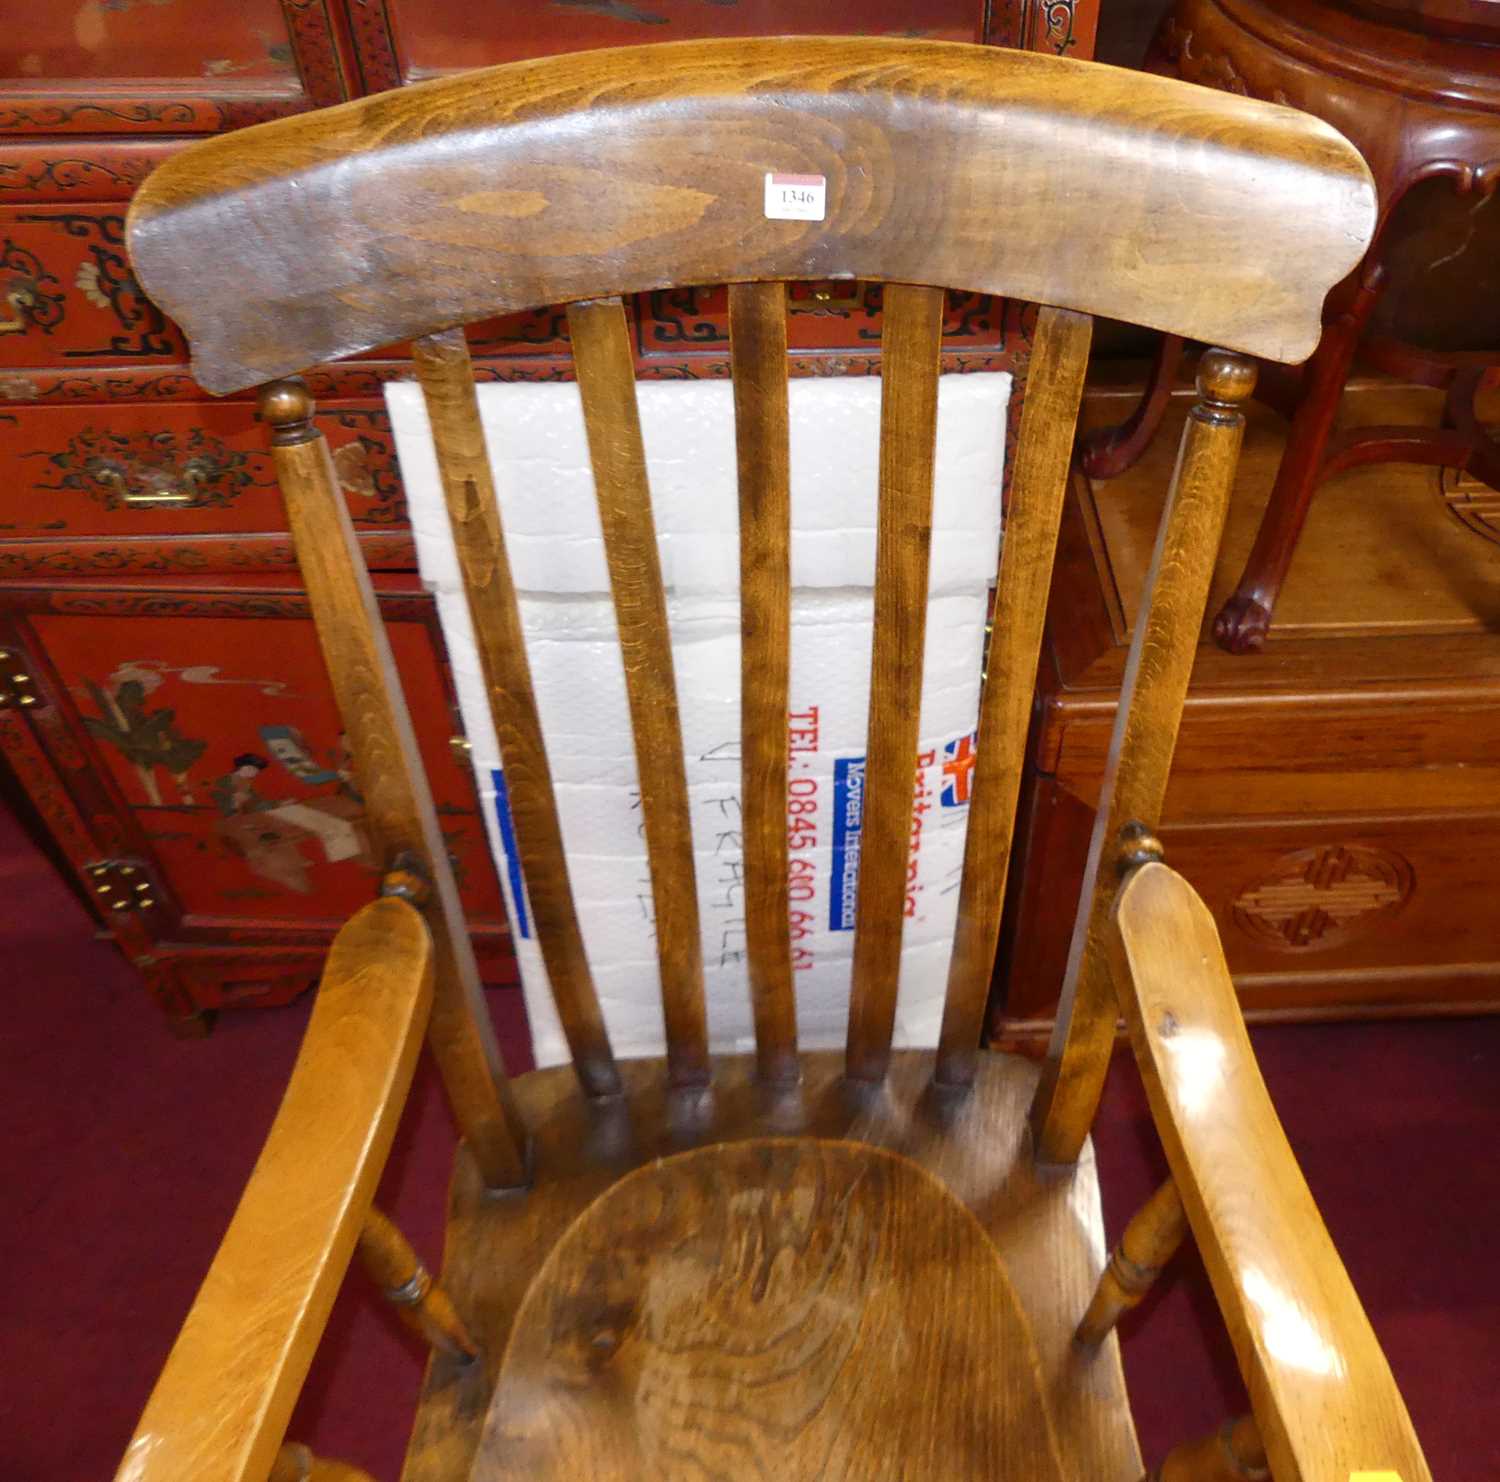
(538, 450)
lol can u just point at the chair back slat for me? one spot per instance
(1039, 479)
(757, 336)
(910, 341)
(605, 365)
(447, 379)
(578, 179)
(913, 167)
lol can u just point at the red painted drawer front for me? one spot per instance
(400, 41)
(100, 67)
(67, 294)
(441, 35)
(48, 170)
(109, 40)
(99, 471)
(822, 316)
(221, 737)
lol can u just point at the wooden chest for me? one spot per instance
(1336, 799)
(162, 704)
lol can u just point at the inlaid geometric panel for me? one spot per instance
(1316, 898)
(1472, 502)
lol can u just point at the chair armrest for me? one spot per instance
(1322, 1392)
(222, 1402)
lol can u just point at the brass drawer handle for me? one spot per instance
(158, 498)
(122, 885)
(154, 469)
(165, 486)
(17, 687)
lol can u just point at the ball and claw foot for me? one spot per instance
(1242, 625)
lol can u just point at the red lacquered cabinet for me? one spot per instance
(162, 702)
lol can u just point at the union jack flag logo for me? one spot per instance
(958, 767)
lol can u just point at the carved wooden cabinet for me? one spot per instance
(162, 704)
(1336, 798)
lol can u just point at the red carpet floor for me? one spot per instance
(123, 1152)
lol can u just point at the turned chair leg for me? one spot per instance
(1233, 1453)
(1107, 452)
(1245, 619)
(407, 1284)
(1151, 1238)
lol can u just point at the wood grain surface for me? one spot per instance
(609, 172)
(858, 1302)
(1322, 1392)
(1049, 1230)
(1149, 1241)
(606, 381)
(910, 339)
(447, 379)
(1140, 749)
(397, 796)
(769, 1309)
(219, 1410)
(757, 347)
(1044, 448)
(419, 1301)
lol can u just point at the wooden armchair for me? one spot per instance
(876, 1264)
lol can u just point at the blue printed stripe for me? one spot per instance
(512, 854)
(848, 821)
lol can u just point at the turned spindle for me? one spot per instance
(399, 813)
(1233, 1453)
(408, 879)
(1152, 693)
(409, 1287)
(1138, 845)
(1155, 1231)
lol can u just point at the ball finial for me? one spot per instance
(285, 404)
(408, 879)
(1225, 378)
(1138, 845)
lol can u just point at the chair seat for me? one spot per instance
(616, 1301)
(772, 1308)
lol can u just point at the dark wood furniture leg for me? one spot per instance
(1107, 452)
(1482, 453)
(1414, 87)
(1243, 621)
